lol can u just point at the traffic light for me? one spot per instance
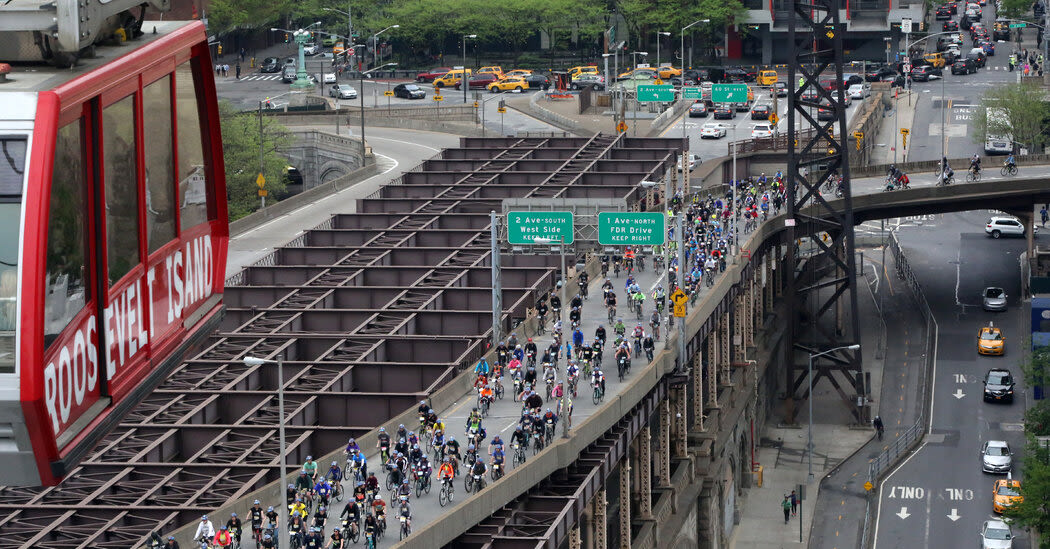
(286, 38)
(220, 49)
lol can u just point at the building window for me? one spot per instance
(12, 174)
(67, 283)
(193, 177)
(159, 163)
(122, 197)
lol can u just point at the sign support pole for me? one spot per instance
(680, 280)
(497, 281)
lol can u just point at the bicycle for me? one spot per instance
(612, 312)
(498, 390)
(973, 176)
(422, 486)
(483, 406)
(519, 455)
(497, 472)
(537, 445)
(447, 492)
(598, 395)
(1008, 169)
(405, 529)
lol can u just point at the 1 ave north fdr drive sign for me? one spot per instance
(549, 227)
(631, 229)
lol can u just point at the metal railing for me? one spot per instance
(904, 444)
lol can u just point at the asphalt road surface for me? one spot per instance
(939, 497)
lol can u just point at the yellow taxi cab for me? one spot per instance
(509, 83)
(935, 59)
(1006, 493)
(990, 340)
(640, 73)
(584, 69)
(517, 72)
(767, 77)
(750, 94)
(667, 71)
(498, 71)
(450, 78)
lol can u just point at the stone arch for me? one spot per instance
(332, 170)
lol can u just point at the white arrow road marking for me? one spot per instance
(958, 393)
(954, 515)
(903, 513)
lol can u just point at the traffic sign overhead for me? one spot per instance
(1018, 25)
(729, 93)
(648, 93)
(526, 227)
(631, 228)
(692, 92)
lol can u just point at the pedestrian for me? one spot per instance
(226, 70)
(238, 68)
(1044, 215)
(786, 504)
(218, 69)
(242, 55)
(794, 503)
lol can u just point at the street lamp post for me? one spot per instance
(634, 107)
(658, 35)
(349, 22)
(302, 36)
(375, 42)
(464, 81)
(361, 96)
(681, 94)
(682, 50)
(254, 361)
(812, 356)
(261, 153)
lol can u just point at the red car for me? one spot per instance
(429, 76)
(479, 81)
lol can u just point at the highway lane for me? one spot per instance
(939, 496)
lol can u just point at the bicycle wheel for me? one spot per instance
(595, 398)
(1013, 170)
(499, 391)
(1003, 171)
(443, 496)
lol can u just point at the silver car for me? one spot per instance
(996, 534)
(342, 91)
(996, 457)
(994, 299)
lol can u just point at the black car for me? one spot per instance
(964, 66)
(537, 81)
(944, 12)
(876, 75)
(742, 106)
(736, 75)
(270, 64)
(923, 74)
(998, 386)
(409, 91)
(810, 96)
(724, 113)
(761, 112)
(781, 88)
(826, 112)
(698, 110)
(950, 26)
(979, 58)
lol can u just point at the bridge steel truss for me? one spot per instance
(609, 496)
(370, 312)
(822, 288)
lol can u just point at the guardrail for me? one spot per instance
(913, 435)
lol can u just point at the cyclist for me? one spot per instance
(402, 433)
(619, 328)
(1010, 163)
(405, 490)
(498, 458)
(572, 372)
(378, 509)
(268, 542)
(297, 528)
(205, 530)
(334, 474)
(519, 437)
(599, 334)
(482, 369)
(303, 483)
(975, 164)
(405, 510)
(171, 544)
(473, 421)
(352, 511)
(222, 538)
(323, 491)
(297, 509)
(446, 472)
(320, 516)
(485, 394)
(310, 468)
(639, 300)
(271, 518)
(550, 418)
(598, 378)
(313, 539)
(337, 541)
(654, 323)
(371, 483)
(371, 525)
(659, 298)
(452, 449)
(255, 516)
(530, 350)
(582, 280)
(479, 468)
(648, 345)
(383, 443)
(351, 446)
(235, 527)
(502, 354)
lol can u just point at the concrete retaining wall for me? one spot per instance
(552, 117)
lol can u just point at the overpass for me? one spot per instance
(670, 448)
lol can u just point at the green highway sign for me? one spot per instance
(526, 227)
(729, 93)
(1017, 25)
(631, 228)
(655, 93)
(692, 92)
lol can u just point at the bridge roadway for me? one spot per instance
(925, 196)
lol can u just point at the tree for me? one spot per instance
(1025, 109)
(1035, 488)
(224, 15)
(240, 151)
(1013, 8)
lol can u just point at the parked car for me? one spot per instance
(409, 91)
(342, 91)
(270, 64)
(593, 81)
(761, 112)
(698, 110)
(430, 75)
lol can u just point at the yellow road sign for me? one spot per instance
(438, 98)
(621, 127)
(904, 141)
(773, 119)
(858, 135)
(658, 82)
(388, 93)
(868, 486)
(261, 180)
(679, 310)
(475, 104)
(501, 110)
(904, 131)
(263, 192)
(679, 297)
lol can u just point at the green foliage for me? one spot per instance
(240, 151)
(1035, 487)
(224, 15)
(1013, 8)
(1037, 419)
(1036, 366)
(1026, 108)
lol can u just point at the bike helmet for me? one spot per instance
(333, 463)
(423, 402)
(270, 508)
(310, 458)
(205, 517)
(233, 515)
(451, 438)
(336, 529)
(223, 527)
(382, 429)
(401, 426)
(171, 538)
(256, 502)
(431, 411)
(404, 481)
(292, 486)
(265, 537)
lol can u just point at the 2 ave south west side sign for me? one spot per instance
(550, 227)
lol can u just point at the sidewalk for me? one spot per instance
(785, 461)
(900, 116)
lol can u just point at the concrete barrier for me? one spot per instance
(552, 117)
(674, 111)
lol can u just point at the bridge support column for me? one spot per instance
(740, 318)
(625, 502)
(724, 356)
(698, 392)
(645, 473)
(599, 521)
(712, 370)
(767, 280)
(663, 466)
(750, 306)
(681, 433)
(574, 538)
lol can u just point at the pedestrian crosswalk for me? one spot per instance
(261, 77)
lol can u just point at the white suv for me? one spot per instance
(998, 226)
